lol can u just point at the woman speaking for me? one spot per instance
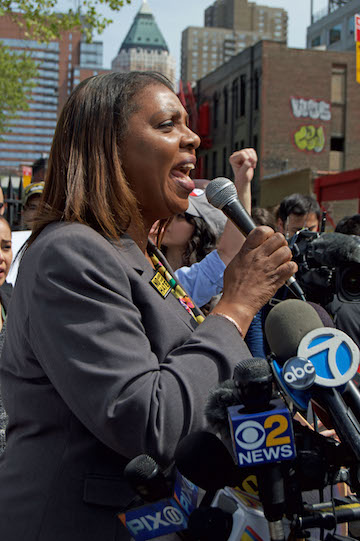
(105, 356)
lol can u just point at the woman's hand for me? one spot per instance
(255, 274)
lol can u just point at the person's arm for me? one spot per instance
(243, 163)
(98, 341)
(203, 280)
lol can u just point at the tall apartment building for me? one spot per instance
(243, 15)
(144, 47)
(333, 28)
(61, 65)
(297, 107)
(230, 27)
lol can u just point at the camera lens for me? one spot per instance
(350, 283)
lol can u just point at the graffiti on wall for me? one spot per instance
(309, 137)
(313, 109)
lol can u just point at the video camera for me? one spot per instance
(329, 264)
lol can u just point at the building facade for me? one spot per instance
(333, 28)
(144, 47)
(61, 65)
(230, 27)
(298, 108)
(243, 15)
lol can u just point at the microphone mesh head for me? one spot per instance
(140, 468)
(220, 192)
(248, 370)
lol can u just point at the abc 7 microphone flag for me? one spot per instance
(326, 357)
(334, 355)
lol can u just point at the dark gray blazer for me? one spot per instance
(97, 368)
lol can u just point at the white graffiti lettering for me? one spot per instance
(302, 108)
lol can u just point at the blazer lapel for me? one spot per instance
(136, 259)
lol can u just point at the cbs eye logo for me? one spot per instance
(251, 434)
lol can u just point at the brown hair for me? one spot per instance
(2, 219)
(85, 182)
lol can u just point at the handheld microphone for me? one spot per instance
(172, 501)
(146, 479)
(222, 194)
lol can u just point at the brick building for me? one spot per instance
(298, 108)
(62, 64)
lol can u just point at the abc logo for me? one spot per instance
(299, 373)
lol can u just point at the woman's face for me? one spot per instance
(158, 153)
(5, 251)
(178, 233)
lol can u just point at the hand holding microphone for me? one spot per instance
(222, 194)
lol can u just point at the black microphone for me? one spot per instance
(253, 381)
(210, 524)
(219, 399)
(222, 194)
(351, 396)
(203, 459)
(170, 500)
(145, 477)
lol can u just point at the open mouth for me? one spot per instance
(183, 171)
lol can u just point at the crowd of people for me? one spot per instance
(107, 353)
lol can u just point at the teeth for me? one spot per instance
(187, 167)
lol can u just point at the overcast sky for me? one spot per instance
(173, 16)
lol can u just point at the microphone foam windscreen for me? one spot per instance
(287, 324)
(325, 317)
(219, 399)
(335, 249)
(220, 192)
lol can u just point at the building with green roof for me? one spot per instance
(144, 47)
